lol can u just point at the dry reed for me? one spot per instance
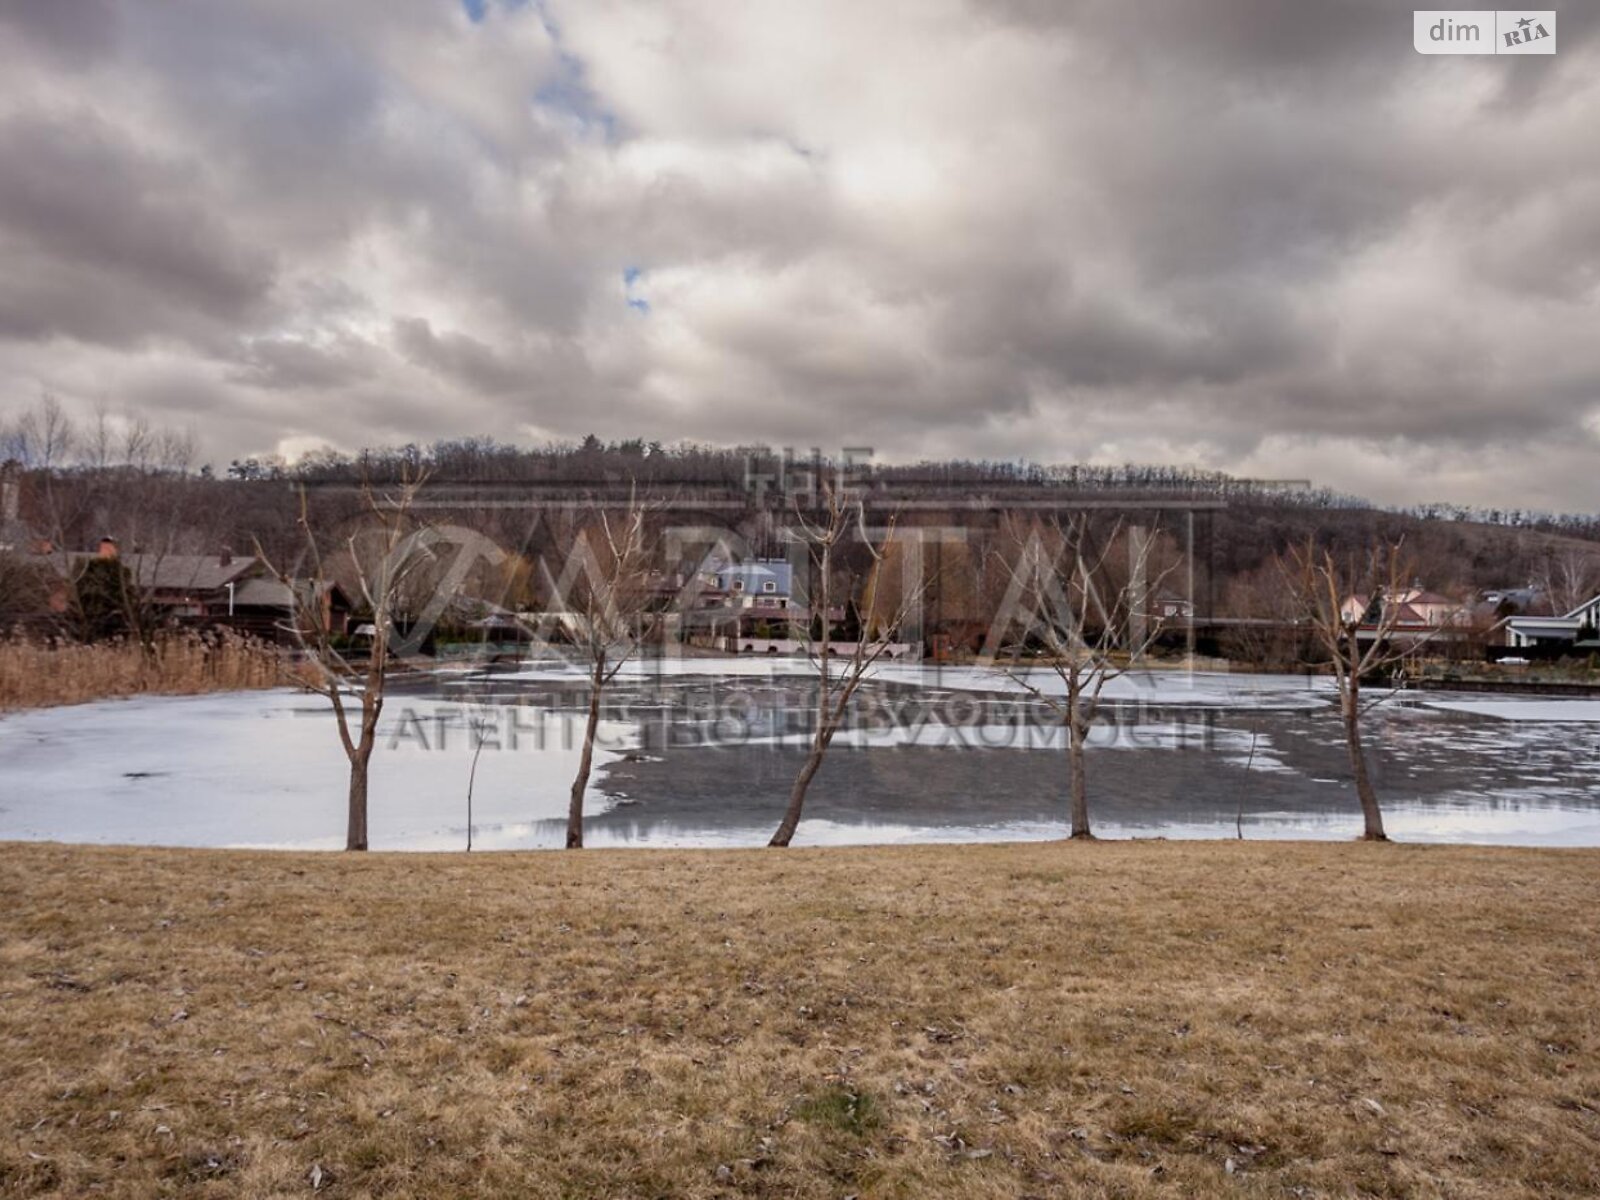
(45, 673)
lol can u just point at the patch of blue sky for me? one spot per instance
(567, 95)
(632, 278)
(477, 10)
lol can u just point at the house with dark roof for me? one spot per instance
(236, 590)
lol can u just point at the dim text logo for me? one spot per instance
(1484, 31)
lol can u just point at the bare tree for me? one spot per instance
(381, 556)
(1264, 626)
(1089, 619)
(1569, 578)
(826, 542)
(1354, 613)
(605, 596)
(120, 479)
(43, 437)
(41, 442)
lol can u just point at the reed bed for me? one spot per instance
(42, 673)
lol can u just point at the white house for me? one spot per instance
(765, 583)
(1577, 626)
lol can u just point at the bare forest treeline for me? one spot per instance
(73, 482)
(590, 462)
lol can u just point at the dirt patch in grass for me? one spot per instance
(1127, 1020)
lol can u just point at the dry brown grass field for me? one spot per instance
(1113, 1019)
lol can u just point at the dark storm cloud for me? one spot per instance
(1263, 235)
(112, 243)
(75, 30)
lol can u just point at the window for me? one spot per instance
(769, 586)
(738, 585)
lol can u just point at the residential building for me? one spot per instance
(1578, 630)
(238, 590)
(1413, 614)
(764, 583)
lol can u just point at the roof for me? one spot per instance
(1588, 607)
(1417, 596)
(753, 574)
(1404, 614)
(1572, 622)
(261, 593)
(265, 592)
(1411, 609)
(180, 572)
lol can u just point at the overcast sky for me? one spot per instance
(1264, 236)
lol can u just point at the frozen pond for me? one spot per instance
(701, 753)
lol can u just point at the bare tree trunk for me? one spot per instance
(1371, 815)
(819, 740)
(585, 761)
(1077, 736)
(472, 778)
(360, 762)
(356, 835)
(797, 795)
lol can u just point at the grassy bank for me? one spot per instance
(1129, 1020)
(42, 674)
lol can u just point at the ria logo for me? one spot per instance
(1484, 31)
(1529, 30)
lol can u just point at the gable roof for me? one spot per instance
(1418, 596)
(1570, 623)
(752, 574)
(1413, 608)
(263, 591)
(179, 572)
(1588, 607)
